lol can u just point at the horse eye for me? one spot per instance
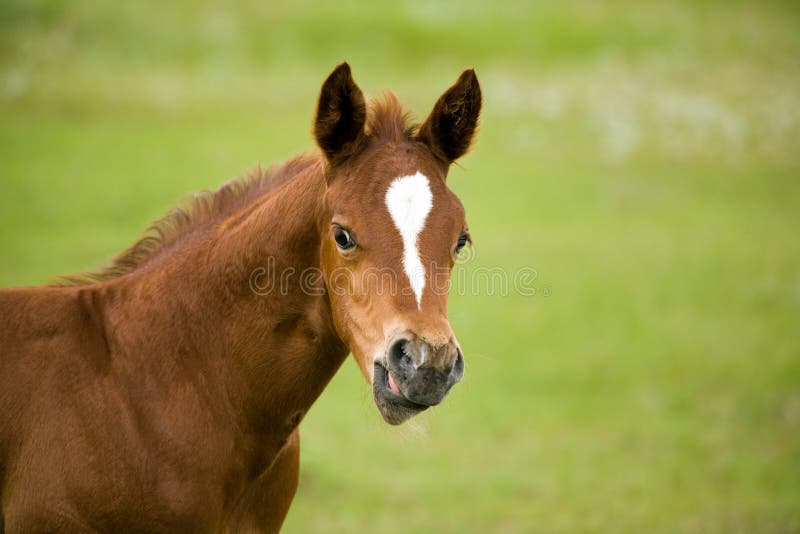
(342, 238)
(462, 241)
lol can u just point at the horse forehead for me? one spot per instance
(417, 201)
(409, 200)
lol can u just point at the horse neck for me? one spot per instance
(274, 351)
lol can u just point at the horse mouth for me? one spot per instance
(393, 406)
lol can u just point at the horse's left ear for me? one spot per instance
(449, 129)
(341, 114)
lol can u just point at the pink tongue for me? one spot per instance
(393, 384)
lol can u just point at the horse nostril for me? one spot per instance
(457, 372)
(400, 359)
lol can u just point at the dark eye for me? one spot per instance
(462, 241)
(343, 239)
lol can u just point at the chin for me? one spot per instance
(393, 406)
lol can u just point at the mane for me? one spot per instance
(387, 121)
(200, 208)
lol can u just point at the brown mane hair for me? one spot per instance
(387, 120)
(201, 209)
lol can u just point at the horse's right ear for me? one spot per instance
(341, 114)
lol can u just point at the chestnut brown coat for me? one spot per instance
(164, 393)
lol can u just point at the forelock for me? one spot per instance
(388, 120)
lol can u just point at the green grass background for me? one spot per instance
(643, 157)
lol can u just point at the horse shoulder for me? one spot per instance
(45, 331)
(50, 345)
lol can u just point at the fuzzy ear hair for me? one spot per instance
(341, 114)
(450, 127)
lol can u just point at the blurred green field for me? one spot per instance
(644, 158)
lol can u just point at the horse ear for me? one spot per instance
(341, 113)
(449, 129)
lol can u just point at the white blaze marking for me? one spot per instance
(410, 200)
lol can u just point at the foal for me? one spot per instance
(165, 392)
